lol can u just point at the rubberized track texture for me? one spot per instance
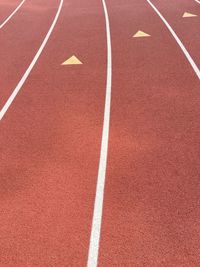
(99, 133)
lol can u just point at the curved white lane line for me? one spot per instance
(12, 14)
(98, 205)
(189, 58)
(197, 1)
(26, 74)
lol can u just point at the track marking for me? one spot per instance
(141, 34)
(188, 15)
(12, 14)
(26, 74)
(197, 1)
(72, 61)
(98, 204)
(189, 58)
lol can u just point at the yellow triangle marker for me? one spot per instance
(188, 15)
(72, 61)
(141, 34)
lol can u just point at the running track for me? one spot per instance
(99, 162)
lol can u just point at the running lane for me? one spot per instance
(7, 7)
(50, 143)
(186, 28)
(151, 213)
(20, 40)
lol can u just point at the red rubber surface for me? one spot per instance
(151, 211)
(20, 40)
(7, 7)
(50, 138)
(188, 28)
(50, 142)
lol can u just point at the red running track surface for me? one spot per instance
(50, 137)
(7, 7)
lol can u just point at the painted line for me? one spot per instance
(26, 74)
(98, 204)
(197, 1)
(189, 58)
(12, 14)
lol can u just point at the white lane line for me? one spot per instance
(26, 74)
(12, 14)
(189, 58)
(197, 1)
(98, 205)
